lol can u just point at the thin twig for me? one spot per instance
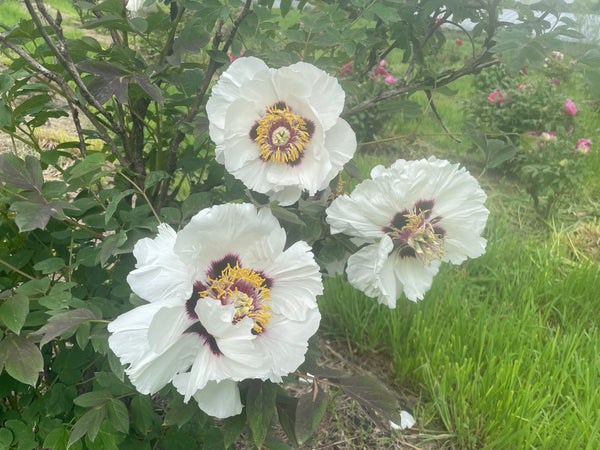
(438, 117)
(445, 78)
(69, 95)
(13, 268)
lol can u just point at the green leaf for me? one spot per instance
(110, 245)
(14, 311)
(62, 322)
(142, 413)
(114, 203)
(22, 358)
(57, 438)
(23, 434)
(285, 6)
(154, 177)
(34, 287)
(139, 24)
(117, 368)
(309, 413)
(6, 438)
(118, 416)
(56, 301)
(232, 428)
(286, 215)
(94, 398)
(499, 152)
(286, 411)
(195, 203)
(50, 265)
(179, 413)
(5, 115)
(89, 424)
(90, 163)
(260, 408)
(83, 334)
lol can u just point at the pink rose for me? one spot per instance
(458, 41)
(570, 107)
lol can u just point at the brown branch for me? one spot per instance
(200, 93)
(60, 50)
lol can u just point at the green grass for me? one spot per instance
(504, 348)
(11, 12)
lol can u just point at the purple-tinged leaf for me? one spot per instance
(152, 90)
(63, 322)
(309, 412)
(22, 358)
(23, 174)
(36, 213)
(371, 394)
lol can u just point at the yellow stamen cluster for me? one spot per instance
(419, 235)
(281, 135)
(223, 288)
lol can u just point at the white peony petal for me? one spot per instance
(325, 94)
(228, 89)
(160, 274)
(167, 326)
(220, 399)
(284, 342)
(416, 277)
(297, 282)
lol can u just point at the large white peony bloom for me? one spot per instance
(226, 303)
(279, 130)
(413, 216)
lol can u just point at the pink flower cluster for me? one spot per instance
(497, 97)
(233, 58)
(583, 145)
(556, 54)
(570, 107)
(380, 71)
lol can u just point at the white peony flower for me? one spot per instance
(226, 303)
(279, 130)
(413, 216)
(137, 8)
